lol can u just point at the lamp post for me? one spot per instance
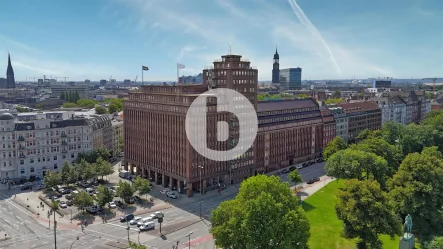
(189, 239)
(127, 228)
(201, 188)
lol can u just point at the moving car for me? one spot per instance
(63, 204)
(135, 220)
(147, 226)
(127, 217)
(112, 205)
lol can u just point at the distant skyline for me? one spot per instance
(329, 39)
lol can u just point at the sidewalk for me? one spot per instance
(309, 189)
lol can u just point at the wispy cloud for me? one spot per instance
(13, 44)
(311, 27)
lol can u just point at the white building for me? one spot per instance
(392, 109)
(29, 149)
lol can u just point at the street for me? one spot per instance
(182, 218)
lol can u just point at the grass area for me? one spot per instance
(325, 227)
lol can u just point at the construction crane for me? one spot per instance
(135, 81)
(56, 78)
(110, 78)
(433, 82)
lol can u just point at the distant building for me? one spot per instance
(57, 89)
(276, 68)
(381, 84)
(329, 125)
(195, 79)
(103, 82)
(3, 83)
(392, 108)
(362, 116)
(341, 122)
(9, 82)
(290, 79)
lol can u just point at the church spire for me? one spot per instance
(9, 70)
(10, 79)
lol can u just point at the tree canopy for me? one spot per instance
(142, 185)
(333, 146)
(295, 177)
(82, 200)
(334, 101)
(417, 189)
(52, 179)
(104, 195)
(101, 110)
(366, 213)
(264, 214)
(125, 190)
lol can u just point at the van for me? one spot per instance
(90, 191)
(144, 220)
(147, 226)
(92, 209)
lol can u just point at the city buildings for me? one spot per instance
(381, 84)
(31, 144)
(361, 116)
(341, 121)
(192, 79)
(57, 89)
(392, 108)
(329, 126)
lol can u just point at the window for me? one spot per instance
(55, 158)
(22, 171)
(31, 160)
(32, 169)
(22, 161)
(55, 166)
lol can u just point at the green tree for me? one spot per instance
(82, 200)
(66, 171)
(39, 106)
(264, 214)
(112, 108)
(380, 147)
(104, 195)
(92, 156)
(392, 132)
(80, 166)
(366, 213)
(125, 190)
(356, 164)
(69, 105)
(436, 243)
(336, 94)
(52, 179)
(142, 185)
(334, 101)
(295, 177)
(302, 96)
(103, 168)
(133, 245)
(333, 146)
(365, 134)
(417, 137)
(76, 96)
(90, 171)
(86, 103)
(121, 143)
(101, 110)
(62, 95)
(417, 189)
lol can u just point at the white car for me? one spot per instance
(63, 204)
(112, 205)
(172, 195)
(135, 221)
(299, 166)
(164, 191)
(75, 192)
(144, 221)
(147, 226)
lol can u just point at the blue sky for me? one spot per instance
(329, 39)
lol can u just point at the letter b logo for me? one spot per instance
(230, 103)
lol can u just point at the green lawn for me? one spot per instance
(325, 227)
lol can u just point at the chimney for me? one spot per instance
(72, 116)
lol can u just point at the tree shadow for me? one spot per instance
(163, 236)
(306, 206)
(145, 204)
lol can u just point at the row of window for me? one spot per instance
(271, 113)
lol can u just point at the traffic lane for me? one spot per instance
(307, 173)
(198, 230)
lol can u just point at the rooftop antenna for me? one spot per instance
(229, 48)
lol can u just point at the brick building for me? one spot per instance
(329, 125)
(361, 116)
(156, 145)
(290, 131)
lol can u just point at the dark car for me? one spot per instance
(285, 171)
(311, 181)
(292, 168)
(25, 187)
(316, 179)
(127, 217)
(69, 202)
(69, 197)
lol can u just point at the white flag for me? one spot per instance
(180, 66)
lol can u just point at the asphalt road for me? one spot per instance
(26, 233)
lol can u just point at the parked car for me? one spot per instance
(285, 171)
(147, 226)
(69, 202)
(172, 195)
(112, 205)
(292, 168)
(135, 220)
(130, 200)
(63, 204)
(144, 221)
(164, 191)
(127, 217)
(69, 197)
(25, 187)
(92, 209)
(299, 166)
(40, 186)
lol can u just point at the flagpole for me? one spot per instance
(142, 75)
(178, 79)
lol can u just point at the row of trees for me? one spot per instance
(70, 96)
(265, 96)
(104, 195)
(390, 173)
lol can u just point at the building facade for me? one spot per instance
(57, 89)
(290, 131)
(329, 125)
(341, 122)
(29, 149)
(156, 145)
(361, 116)
(392, 108)
(290, 79)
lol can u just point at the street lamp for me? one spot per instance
(201, 188)
(189, 239)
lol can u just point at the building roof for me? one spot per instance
(6, 116)
(359, 106)
(265, 106)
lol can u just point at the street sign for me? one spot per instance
(160, 220)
